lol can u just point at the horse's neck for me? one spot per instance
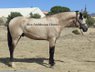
(65, 19)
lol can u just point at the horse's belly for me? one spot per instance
(36, 36)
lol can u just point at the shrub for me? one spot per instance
(35, 15)
(90, 21)
(76, 32)
(3, 20)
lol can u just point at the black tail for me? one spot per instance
(9, 37)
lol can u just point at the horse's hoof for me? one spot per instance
(52, 65)
(12, 64)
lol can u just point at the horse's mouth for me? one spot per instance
(85, 29)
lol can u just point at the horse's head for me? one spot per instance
(80, 21)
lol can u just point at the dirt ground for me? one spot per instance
(74, 53)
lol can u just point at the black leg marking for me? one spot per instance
(51, 55)
(10, 44)
(11, 49)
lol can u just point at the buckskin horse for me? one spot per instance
(47, 28)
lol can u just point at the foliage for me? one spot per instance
(1, 21)
(35, 15)
(58, 9)
(31, 15)
(13, 15)
(85, 15)
(76, 32)
(90, 21)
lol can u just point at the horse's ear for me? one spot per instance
(77, 13)
(81, 16)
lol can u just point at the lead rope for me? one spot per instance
(81, 32)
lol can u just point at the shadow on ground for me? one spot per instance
(39, 61)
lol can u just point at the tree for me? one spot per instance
(35, 15)
(13, 15)
(58, 9)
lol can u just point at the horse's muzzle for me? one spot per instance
(85, 30)
(84, 27)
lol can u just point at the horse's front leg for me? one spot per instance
(51, 55)
(51, 51)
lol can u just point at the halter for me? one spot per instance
(80, 23)
(78, 19)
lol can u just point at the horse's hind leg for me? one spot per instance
(11, 50)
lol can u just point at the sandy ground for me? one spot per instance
(74, 53)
